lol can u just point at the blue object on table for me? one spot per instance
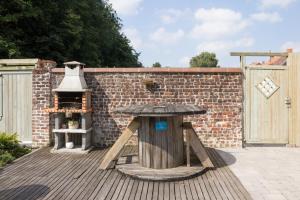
(161, 126)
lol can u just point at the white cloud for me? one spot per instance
(272, 17)
(291, 44)
(134, 36)
(171, 15)
(165, 37)
(126, 7)
(222, 46)
(216, 23)
(217, 14)
(277, 3)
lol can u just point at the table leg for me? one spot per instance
(115, 150)
(188, 155)
(197, 146)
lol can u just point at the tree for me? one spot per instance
(88, 31)
(156, 64)
(205, 59)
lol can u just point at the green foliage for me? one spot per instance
(5, 158)
(10, 148)
(8, 49)
(88, 31)
(156, 64)
(205, 59)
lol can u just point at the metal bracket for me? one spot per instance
(288, 102)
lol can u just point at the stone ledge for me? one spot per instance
(155, 70)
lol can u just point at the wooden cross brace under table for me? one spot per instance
(115, 150)
(192, 140)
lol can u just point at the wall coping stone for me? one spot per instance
(155, 70)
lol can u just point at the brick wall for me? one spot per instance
(218, 90)
(41, 97)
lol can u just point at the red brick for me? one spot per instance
(219, 91)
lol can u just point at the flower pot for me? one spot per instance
(73, 124)
(69, 145)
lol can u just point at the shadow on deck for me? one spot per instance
(43, 175)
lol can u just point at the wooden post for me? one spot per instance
(114, 151)
(197, 145)
(188, 154)
(294, 93)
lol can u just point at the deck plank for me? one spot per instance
(177, 191)
(150, 190)
(78, 181)
(172, 191)
(155, 190)
(102, 190)
(182, 191)
(134, 190)
(231, 178)
(115, 194)
(113, 188)
(161, 190)
(188, 190)
(83, 181)
(42, 175)
(193, 189)
(204, 191)
(139, 190)
(166, 190)
(145, 190)
(127, 191)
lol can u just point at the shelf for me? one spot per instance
(53, 110)
(75, 150)
(71, 90)
(72, 130)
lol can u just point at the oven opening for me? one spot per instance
(70, 100)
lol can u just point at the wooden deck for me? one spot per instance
(42, 175)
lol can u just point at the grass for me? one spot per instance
(10, 149)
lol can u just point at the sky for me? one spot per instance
(172, 32)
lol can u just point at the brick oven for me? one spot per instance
(72, 110)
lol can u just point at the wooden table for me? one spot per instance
(160, 134)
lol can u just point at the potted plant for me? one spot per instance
(64, 124)
(73, 124)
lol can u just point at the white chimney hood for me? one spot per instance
(74, 78)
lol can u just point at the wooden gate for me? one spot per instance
(267, 104)
(16, 97)
(16, 104)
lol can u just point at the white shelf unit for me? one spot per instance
(64, 135)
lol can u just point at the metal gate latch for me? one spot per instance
(287, 101)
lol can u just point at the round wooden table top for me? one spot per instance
(149, 110)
